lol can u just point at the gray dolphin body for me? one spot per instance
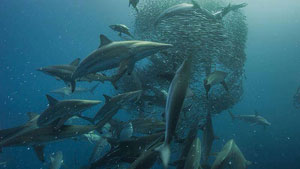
(64, 73)
(127, 151)
(66, 91)
(213, 79)
(208, 138)
(30, 134)
(56, 160)
(183, 8)
(253, 119)
(63, 110)
(123, 54)
(121, 29)
(113, 104)
(194, 156)
(230, 157)
(176, 95)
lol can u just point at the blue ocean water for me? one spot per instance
(35, 33)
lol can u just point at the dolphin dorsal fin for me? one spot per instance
(31, 115)
(195, 4)
(107, 98)
(104, 41)
(75, 62)
(52, 101)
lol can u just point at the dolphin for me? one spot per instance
(56, 160)
(123, 54)
(63, 110)
(121, 29)
(176, 95)
(213, 79)
(183, 8)
(187, 146)
(64, 73)
(113, 104)
(134, 4)
(147, 125)
(194, 156)
(208, 138)
(66, 91)
(230, 157)
(253, 119)
(30, 135)
(147, 159)
(128, 150)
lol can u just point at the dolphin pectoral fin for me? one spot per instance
(61, 122)
(73, 86)
(130, 66)
(120, 33)
(122, 70)
(225, 86)
(39, 150)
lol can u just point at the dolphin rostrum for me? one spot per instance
(176, 95)
(123, 54)
(63, 110)
(253, 119)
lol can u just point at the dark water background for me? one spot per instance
(35, 33)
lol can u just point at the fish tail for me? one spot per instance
(93, 88)
(165, 154)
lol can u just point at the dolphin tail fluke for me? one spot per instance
(225, 86)
(231, 115)
(73, 86)
(165, 154)
(137, 10)
(93, 88)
